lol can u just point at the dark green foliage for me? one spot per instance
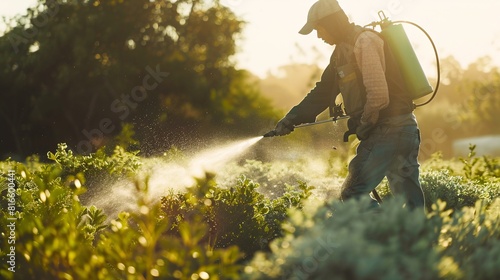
(239, 215)
(53, 235)
(119, 161)
(74, 71)
(456, 191)
(349, 241)
(469, 242)
(458, 183)
(462, 184)
(237, 232)
(479, 168)
(58, 238)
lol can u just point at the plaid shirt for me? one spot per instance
(369, 53)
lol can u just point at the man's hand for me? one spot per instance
(284, 126)
(352, 125)
(363, 130)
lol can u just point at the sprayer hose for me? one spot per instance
(438, 67)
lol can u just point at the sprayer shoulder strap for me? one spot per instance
(373, 31)
(364, 29)
(394, 79)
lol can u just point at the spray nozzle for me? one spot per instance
(271, 133)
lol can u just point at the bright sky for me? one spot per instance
(464, 29)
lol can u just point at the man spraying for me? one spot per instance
(363, 70)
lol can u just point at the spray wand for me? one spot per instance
(336, 113)
(272, 133)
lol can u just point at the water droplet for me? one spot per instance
(144, 210)
(78, 184)
(43, 197)
(154, 272)
(208, 202)
(143, 241)
(204, 275)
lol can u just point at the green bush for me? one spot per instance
(275, 177)
(120, 161)
(480, 169)
(239, 230)
(459, 183)
(53, 236)
(457, 191)
(349, 241)
(137, 247)
(469, 243)
(58, 238)
(239, 215)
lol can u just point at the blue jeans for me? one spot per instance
(390, 151)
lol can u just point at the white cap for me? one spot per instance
(319, 10)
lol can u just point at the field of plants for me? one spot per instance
(135, 88)
(260, 220)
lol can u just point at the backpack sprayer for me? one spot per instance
(395, 37)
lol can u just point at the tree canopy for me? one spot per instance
(75, 71)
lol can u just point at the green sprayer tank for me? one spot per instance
(395, 36)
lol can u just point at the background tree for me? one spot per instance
(464, 107)
(74, 71)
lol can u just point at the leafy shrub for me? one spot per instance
(53, 235)
(234, 231)
(120, 161)
(469, 243)
(272, 178)
(275, 177)
(58, 238)
(479, 168)
(457, 191)
(348, 241)
(239, 215)
(138, 248)
(458, 183)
